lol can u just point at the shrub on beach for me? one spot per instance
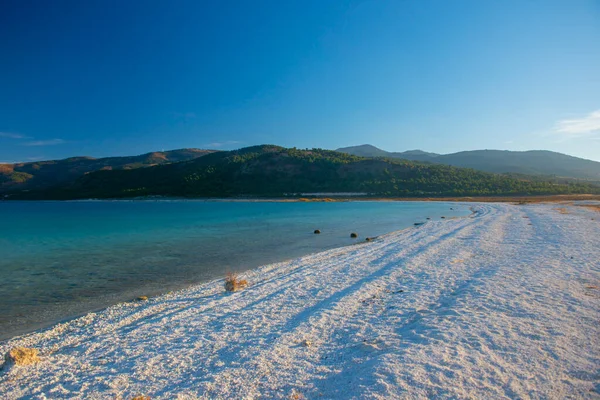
(233, 283)
(21, 356)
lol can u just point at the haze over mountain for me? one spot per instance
(533, 162)
(44, 174)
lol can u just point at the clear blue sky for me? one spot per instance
(125, 77)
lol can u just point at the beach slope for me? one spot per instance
(503, 304)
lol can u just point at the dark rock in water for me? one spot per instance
(368, 239)
(317, 231)
(428, 218)
(443, 217)
(418, 223)
(354, 235)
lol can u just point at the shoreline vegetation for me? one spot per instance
(386, 318)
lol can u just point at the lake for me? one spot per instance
(59, 260)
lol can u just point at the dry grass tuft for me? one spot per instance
(562, 210)
(233, 283)
(141, 397)
(21, 356)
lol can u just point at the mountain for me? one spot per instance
(44, 174)
(534, 162)
(367, 150)
(272, 171)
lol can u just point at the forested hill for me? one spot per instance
(276, 171)
(44, 174)
(533, 162)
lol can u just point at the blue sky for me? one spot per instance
(118, 77)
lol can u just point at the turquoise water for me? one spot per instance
(62, 259)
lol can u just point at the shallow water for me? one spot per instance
(61, 259)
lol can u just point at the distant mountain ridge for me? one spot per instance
(44, 174)
(533, 162)
(274, 171)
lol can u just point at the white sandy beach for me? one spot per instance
(503, 304)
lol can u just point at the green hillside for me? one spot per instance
(45, 174)
(533, 162)
(276, 171)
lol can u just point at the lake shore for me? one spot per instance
(483, 199)
(61, 260)
(467, 199)
(501, 304)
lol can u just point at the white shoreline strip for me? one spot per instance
(502, 305)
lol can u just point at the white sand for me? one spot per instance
(493, 306)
